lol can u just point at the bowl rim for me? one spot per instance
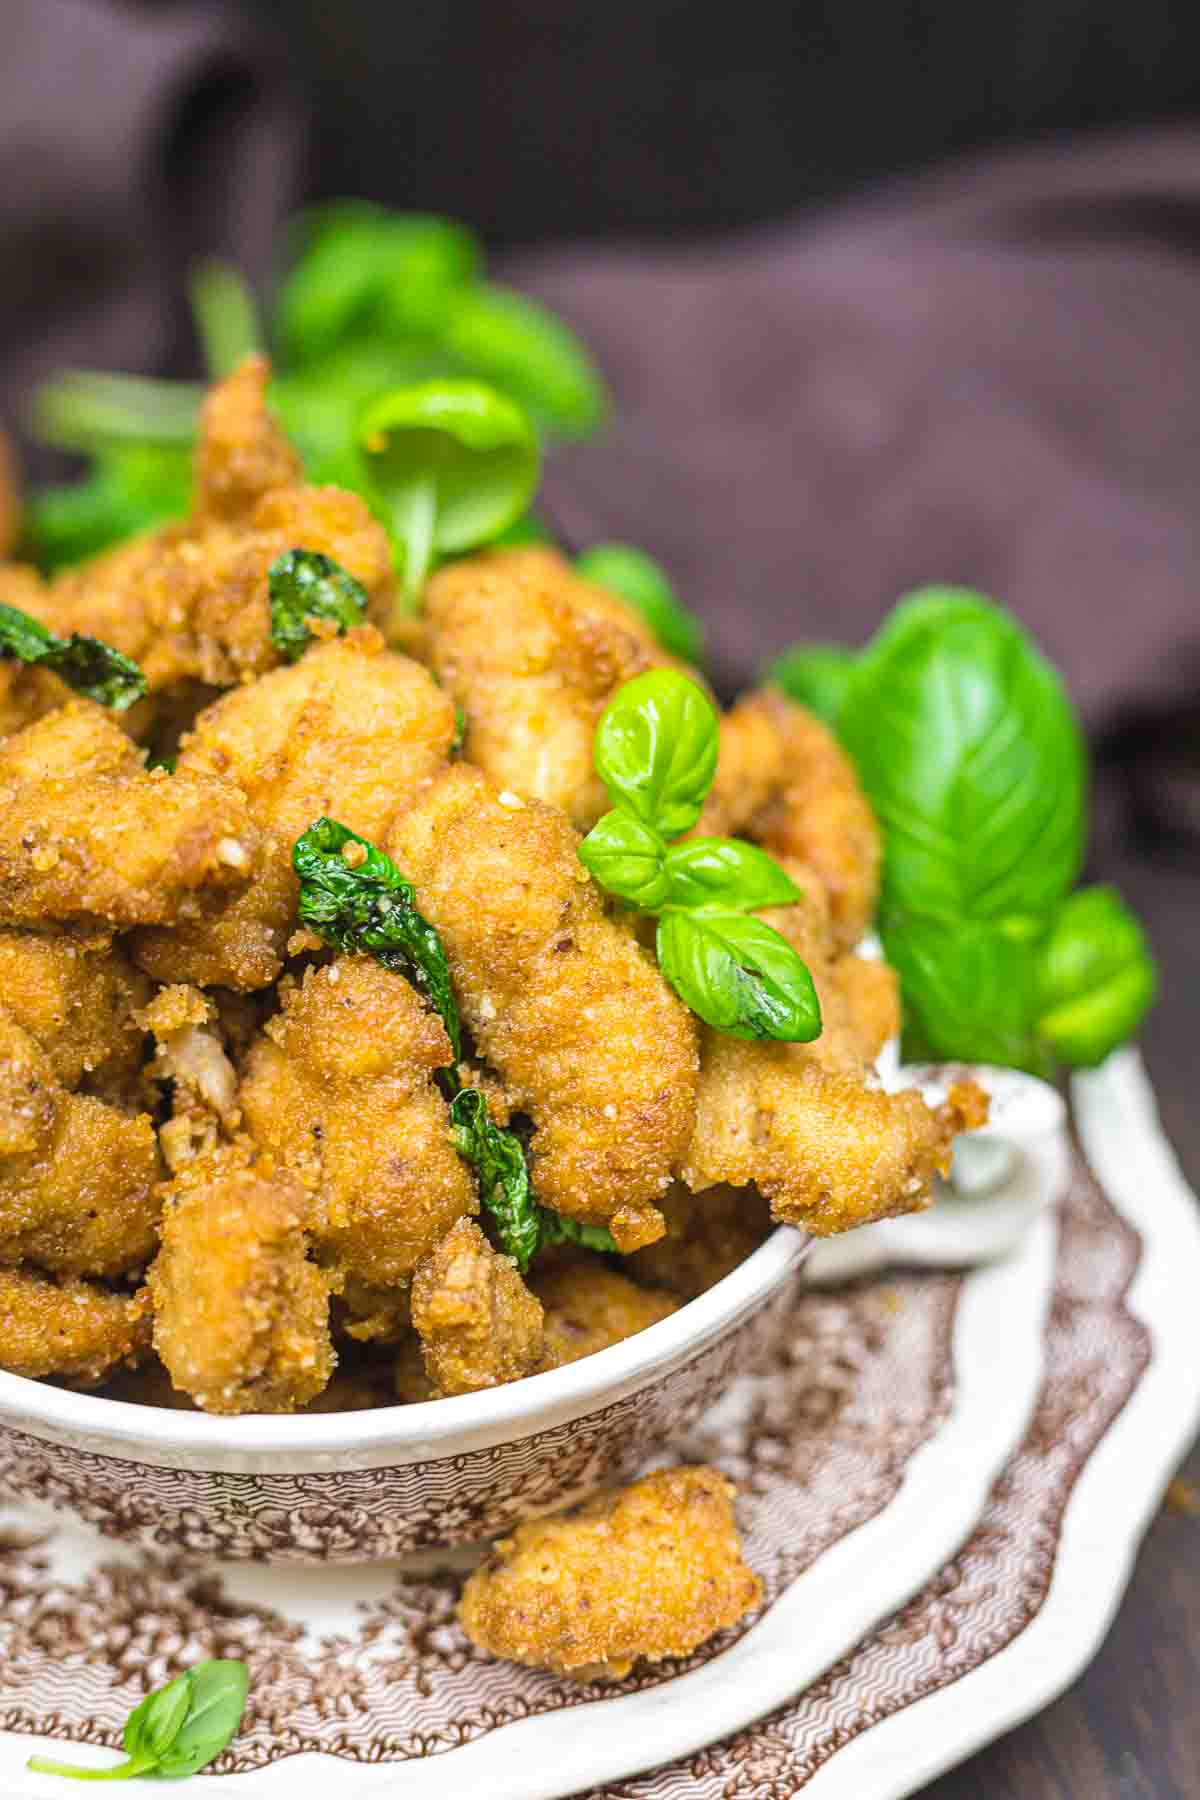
(432, 1428)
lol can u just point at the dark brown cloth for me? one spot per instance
(132, 142)
(988, 377)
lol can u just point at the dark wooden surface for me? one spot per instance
(1128, 1729)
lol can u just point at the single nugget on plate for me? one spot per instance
(647, 1571)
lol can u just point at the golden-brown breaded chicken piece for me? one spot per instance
(352, 731)
(647, 1571)
(533, 655)
(10, 499)
(800, 1121)
(559, 998)
(191, 1055)
(88, 836)
(589, 1306)
(478, 1323)
(708, 1235)
(189, 602)
(784, 782)
(340, 1088)
(241, 1315)
(77, 1174)
(77, 1330)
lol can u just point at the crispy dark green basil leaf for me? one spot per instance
(817, 675)
(656, 750)
(739, 975)
(218, 1700)
(966, 744)
(370, 909)
(556, 1228)
(154, 1725)
(725, 873)
(304, 585)
(626, 857)
(969, 990)
(1096, 978)
(84, 663)
(499, 1164)
(638, 579)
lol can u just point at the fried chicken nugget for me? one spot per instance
(800, 1121)
(78, 1002)
(589, 1306)
(352, 731)
(340, 1088)
(190, 602)
(533, 654)
(241, 1315)
(708, 1235)
(560, 999)
(784, 782)
(88, 836)
(478, 1323)
(647, 1571)
(77, 1330)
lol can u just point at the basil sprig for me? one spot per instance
(366, 906)
(92, 668)
(304, 585)
(656, 753)
(176, 1730)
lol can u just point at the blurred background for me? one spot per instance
(884, 294)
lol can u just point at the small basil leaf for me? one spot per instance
(656, 750)
(218, 1700)
(555, 1228)
(726, 873)
(968, 990)
(366, 907)
(128, 490)
(304, 585)
(626, 857)
(510, 340)
(499, 1164)
(451, 464)
(84, 663)
(966, 744)
(817, 675)
(739, 975)
(153, 1725)
(1096, 978)
(638, 579)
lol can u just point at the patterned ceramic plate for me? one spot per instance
(937, 1451)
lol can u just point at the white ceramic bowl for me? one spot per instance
(367, 1486)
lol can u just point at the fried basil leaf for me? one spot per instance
(363, 904)
(499, 1163)
(93, 669)
(304, 585)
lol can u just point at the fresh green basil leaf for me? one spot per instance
(817, 675)
(528, 529)
(638, 579)
(626, 857)
(154, 1725)
(739, 975)
(218, 1700)
(128, 490)
(451, 464)
(369, 909)
(95, 412)
(725, 873)
(555, 1228)
(93, 669)
(968, 990)
(1096, 978)
(499, 1164)
(362, 269)
(656, 750)
(304, 585)
(225, 315)
(966, 744)
(513, 342)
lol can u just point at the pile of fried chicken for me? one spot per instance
(225, 1163)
